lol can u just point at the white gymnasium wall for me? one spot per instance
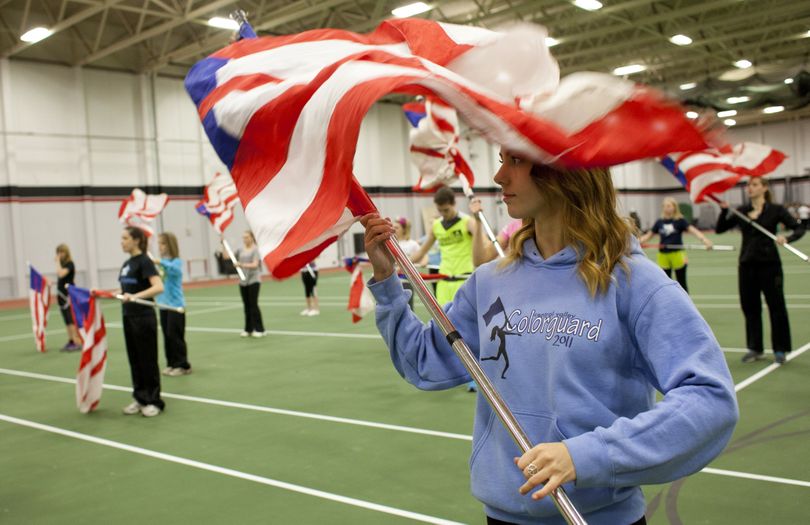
(66, 128)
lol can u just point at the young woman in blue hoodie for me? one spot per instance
(591, 329)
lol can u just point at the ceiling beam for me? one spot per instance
(64, 24)
(153, 31)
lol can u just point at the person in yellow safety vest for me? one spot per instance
(455, 233)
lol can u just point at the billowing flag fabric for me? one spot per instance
(713, 171)
(434, 145)
(140, 209)
(361, 301)
(284, 113)
(219, 198)
(90, 322)
(39, 296)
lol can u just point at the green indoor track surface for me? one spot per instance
(312, 424)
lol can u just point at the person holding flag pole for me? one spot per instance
(288, 131)
(140, 282)
(671, 254)
(760, 268)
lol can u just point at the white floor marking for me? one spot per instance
(17, 337)
(770, 368)
(256, 408)
(758, 477)
(271, 332)
(228, 472)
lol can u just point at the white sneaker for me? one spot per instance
(305, 311)
(313, 313)
(132, 408)
(150, 411)
(175, 372)
(244, 334)
(258, 334)
(167, 371)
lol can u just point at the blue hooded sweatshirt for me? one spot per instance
(581, 370)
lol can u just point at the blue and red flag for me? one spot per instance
(713, 171)
(39, 298)
(90, 322)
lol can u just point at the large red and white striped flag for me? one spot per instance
(434, 145)
(219, 198)
(284, 115)
(90, 322)
(39, 298)
(361, 301)
(713, 171)
(140, 209)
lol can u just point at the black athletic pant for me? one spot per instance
(680, 276)
(765, 279)
(253, 316)
(309, 283)
(140, 335)
(173, 325)
(493, 521)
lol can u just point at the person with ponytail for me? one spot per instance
(247, 258)
(671, 255)
(172, 323)
(140, 280)
(574, 327)
(66, 274)
(760, 268)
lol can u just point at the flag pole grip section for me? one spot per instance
(764, 231)
(485, 386)
(232, 257)
(144, 302)
(468, 192)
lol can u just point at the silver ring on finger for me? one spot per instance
(531, 469)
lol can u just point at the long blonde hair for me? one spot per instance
(64, 253)
(171, 244)
(670, 200)
(590, 221)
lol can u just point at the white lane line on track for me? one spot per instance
(758, 477)
(256, 408)
(271, 332)
(16, 337)
(770, 368)
(229, 472)
(332, 419)
(15, 317)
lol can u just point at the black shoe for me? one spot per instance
(779, 357)
(752, 356)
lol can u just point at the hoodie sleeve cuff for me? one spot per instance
(591, 460)
(386, 291)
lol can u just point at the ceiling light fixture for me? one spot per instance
(688, 86)
(551, 42)
(727, 113)
(743, 64)
(788, 81)
(36, 34)
(680, 40)
(729, 122)
(737, 100)
(774, 109)
(588, 5)
(223, 23)
(411, 9)
(692, 114)
(629, 69)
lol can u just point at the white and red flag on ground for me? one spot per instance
(140, 209)
(713, 171)
(361, 301)
(90, 322)
(219, 198)
(284, 114)
(434, 145)
(39, 296)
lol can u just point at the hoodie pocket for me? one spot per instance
(494, 477)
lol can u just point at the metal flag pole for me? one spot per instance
(715, 247)
(759, 227)
(564, 504)
(468, 192)
(232, 257)
(144, 302)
